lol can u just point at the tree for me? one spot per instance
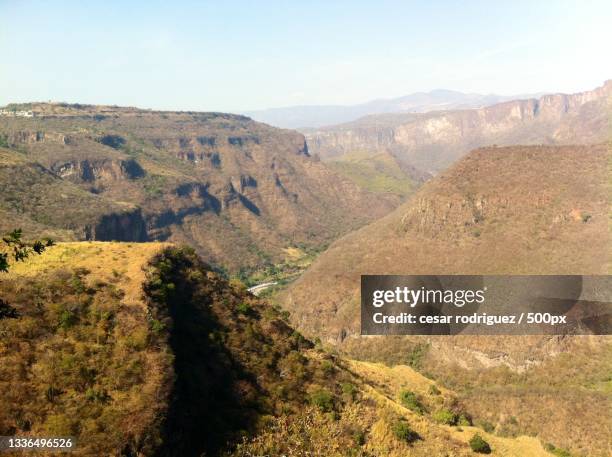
(18, 250)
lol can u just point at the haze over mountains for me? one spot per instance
(312, 116)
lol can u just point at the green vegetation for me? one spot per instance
(403, 432)
(154, 185)
(191, 174)
(19, 250)
(558, 452)
(416, 356)
(322, 399)
(253, 354)
(243, 308)
(433, 390)
(410, 401)
(380, 173)
(79, 365)
(446, 417)
(195, 353)
(477, 444)
(349, 390)
(297, 259)
(486, 426)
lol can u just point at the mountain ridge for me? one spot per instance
(432, 141)
(313, 116)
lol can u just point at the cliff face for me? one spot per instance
(432, 141)
(125, 226)
(238, 190)
(39, 201)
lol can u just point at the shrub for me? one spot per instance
(403, 432)
(464, 420)
(416, 356)
(444, 416)
(349, 390)
(243, 308)
(557, 451)
(359, 437)
(486, 426)
(433, 390)
(327, 367)
(410, 401)
(156, 326)
(477, 444)
(67, 319)
(323, 400)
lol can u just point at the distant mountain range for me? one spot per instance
(295, 117)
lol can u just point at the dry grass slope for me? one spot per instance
(81, 358)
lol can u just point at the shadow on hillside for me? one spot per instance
(206, 410)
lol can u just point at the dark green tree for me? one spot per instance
(14, 248)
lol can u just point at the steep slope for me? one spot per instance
(140, 349)
(296, 117)
(237, 190)
(432, 141)
(510, 210)
(532, 209)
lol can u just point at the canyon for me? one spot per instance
(237, 190)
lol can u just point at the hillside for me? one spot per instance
(238, 191)
(432, 141)
(507, 210)
(140, 349)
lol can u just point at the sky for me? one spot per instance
(241, 55)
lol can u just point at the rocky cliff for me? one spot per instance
(239, 191)
(432, 141)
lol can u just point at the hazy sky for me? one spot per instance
(238, 55)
